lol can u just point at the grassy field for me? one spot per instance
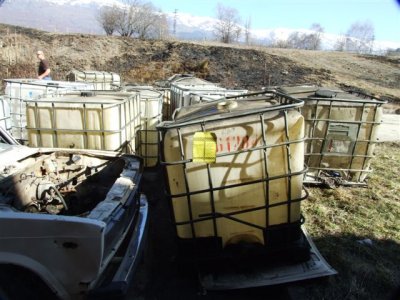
(357, 230)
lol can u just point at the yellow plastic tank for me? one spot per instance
(85, 120)
(235, 168)
(341, 131)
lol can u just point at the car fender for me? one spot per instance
(69, 248)
(37, 268)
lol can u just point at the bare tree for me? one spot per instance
(295, 40)
(340, 44)
(237, 33)
(281, 44)
(271, 40)
(146, 21)
(307, 41)
(127, 17)
(227, 29)
(360, 37)
(134, 18)
(247, 29)
(298, 40)
(160, 30)
(315, 37)
(108, 17)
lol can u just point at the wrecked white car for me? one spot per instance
(72, 222)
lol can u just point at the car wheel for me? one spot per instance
(3, 295)
(18, 283)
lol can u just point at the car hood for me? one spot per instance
(11, 154)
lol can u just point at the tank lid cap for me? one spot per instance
(227, 105)
(88, 94)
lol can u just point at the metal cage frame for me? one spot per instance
(285, 103)
(325, 172)
(125, 141)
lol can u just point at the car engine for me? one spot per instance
(56, 183)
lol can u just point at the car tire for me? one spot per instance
(3, 295)
(19, 283)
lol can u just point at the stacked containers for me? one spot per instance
(18, 91)
(341, 131)
(185, 85)
(151, 102)
(85, 120)
(103, 81)
(234, 171)
(164, 86)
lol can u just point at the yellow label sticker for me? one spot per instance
(204, 147)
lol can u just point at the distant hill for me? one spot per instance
(73, 16)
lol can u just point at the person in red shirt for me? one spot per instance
(44, 67)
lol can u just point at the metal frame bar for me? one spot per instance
(123, 126)
(144, 139)
(286, 103)
(367, 102)
(17, 115)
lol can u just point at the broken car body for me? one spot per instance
(68, 215)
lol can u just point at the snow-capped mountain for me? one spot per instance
(79, 16)
(85, 2)
(53, 15)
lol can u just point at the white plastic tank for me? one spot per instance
(186, 85)
(151, 102)
(100, 79)
(235, 168)
(341, 130)
(198, 96)
(18, 91)
(85, 120)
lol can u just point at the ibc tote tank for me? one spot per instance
(186, 85)
(85, 120)
(18, 91)
(234, 171)
(151, 102)
(102, 81)
(341, 131)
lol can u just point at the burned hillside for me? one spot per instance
(231, 66)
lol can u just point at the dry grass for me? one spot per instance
(233, 66)
(339, 220)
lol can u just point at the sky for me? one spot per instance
(335, 16)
